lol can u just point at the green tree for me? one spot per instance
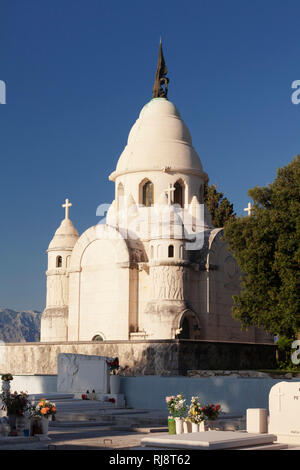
(220, 208)
(266, 247)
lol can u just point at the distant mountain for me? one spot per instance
(19, 327)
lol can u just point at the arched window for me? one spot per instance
(181, 251)
(201, 194)
(178, 193)
(171, 251)
(59, 262)
(97, 338)
(152, 251)
(68, 261)
(147, 194)
(120, 196)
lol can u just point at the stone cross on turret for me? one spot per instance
(170, 192)
(66, 206)
(249, 208)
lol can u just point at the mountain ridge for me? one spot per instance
(19, 326)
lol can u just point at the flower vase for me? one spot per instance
(115, 382)
(12, 419)
(5, 386)
(45, 425)
(179, 425)
(171, 426)
(195, 427)
(22, 423)
(187, 426)
(202, 426)
(35, 426)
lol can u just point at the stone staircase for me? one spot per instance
(74, 412)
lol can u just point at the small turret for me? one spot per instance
(54, 318)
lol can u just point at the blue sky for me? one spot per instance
(77, 74)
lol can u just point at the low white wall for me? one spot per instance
(233, 393)
(34, 383)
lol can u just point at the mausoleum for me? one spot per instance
(157, 269)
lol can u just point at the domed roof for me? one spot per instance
(158, 140)
(65, 236)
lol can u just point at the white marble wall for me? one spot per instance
(78, 373)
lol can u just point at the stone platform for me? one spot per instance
(209, 440)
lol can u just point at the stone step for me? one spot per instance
(131, 420)
(274, 446)
(51, 396)
(7, 440)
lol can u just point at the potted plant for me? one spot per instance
(6, 379)
(171, 419)
(15, 404)
(42, 412)
(195, 415)
(177, 408)
(115, 379)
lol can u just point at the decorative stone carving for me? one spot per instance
(57, 291)
(167, 282)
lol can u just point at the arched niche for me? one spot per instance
(120, 196)
(59, 261)
(179, 196)
(146, 193)
(189, 326)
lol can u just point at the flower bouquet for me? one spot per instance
(211, 411)
(6, 377)
(44, 409)
(177, 408)
(113, 366)
(195, 414)
(40, 414)
(15, 403)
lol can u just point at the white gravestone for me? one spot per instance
(257, 420)
(284, 408)
(77, 373)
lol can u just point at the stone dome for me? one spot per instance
(65, 236)
(158, 140)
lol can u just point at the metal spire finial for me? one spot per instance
(160, 77)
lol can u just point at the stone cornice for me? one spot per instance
(168, 262)
(187, 171)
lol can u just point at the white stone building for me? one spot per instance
(141, 275)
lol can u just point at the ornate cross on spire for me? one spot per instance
(160, 77)
(249, 208)
(66, 206)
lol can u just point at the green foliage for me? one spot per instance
(266, 247)
(220, 208)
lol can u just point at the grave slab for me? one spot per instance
(78, 373)
(284, 408)
(209, 440)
